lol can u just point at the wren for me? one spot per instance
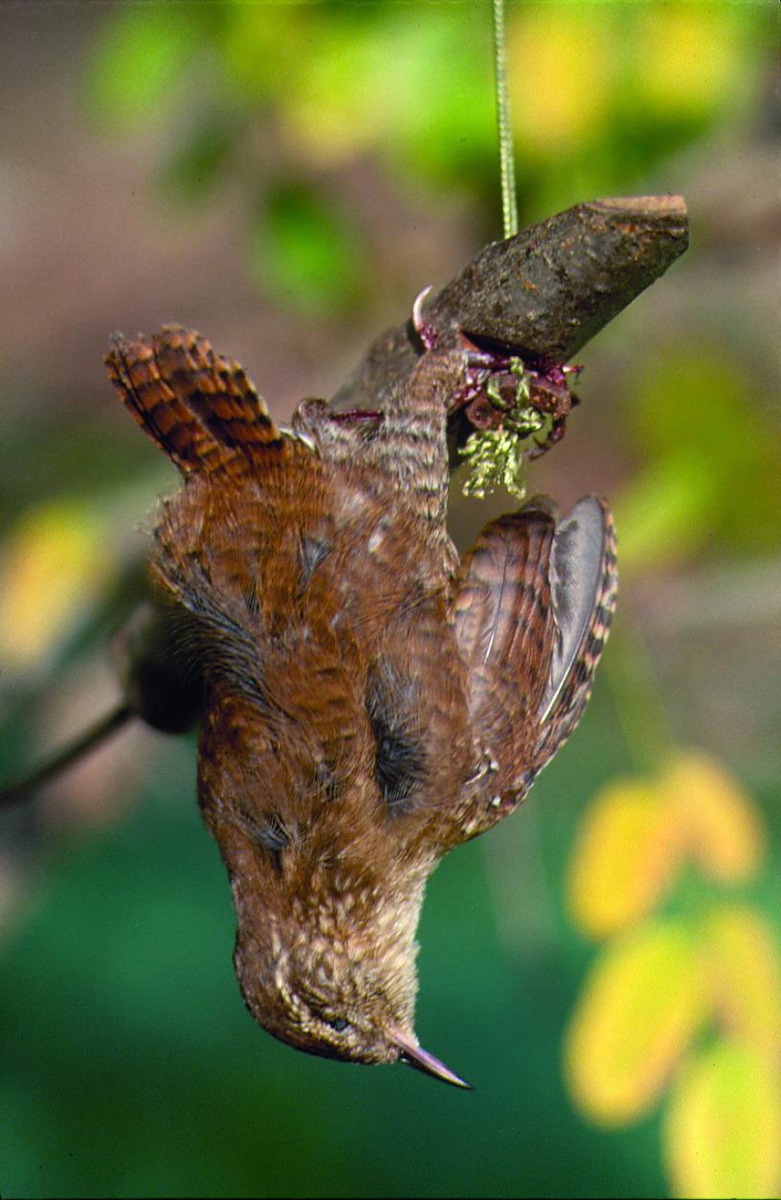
(370, 701)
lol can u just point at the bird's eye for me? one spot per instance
(338, 1024)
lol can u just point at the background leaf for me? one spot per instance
(723, 1128)
(641, 1007)
(628, 850)
(742, 961)
(722, 827)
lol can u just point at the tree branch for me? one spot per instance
(540, 295)
(89, 740)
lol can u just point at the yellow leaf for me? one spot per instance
(556, 103)
(627, 852)
(690, 61)
(641, 1005)
(722, 1134)
(742, 963)
(54, 561)
(723, 829)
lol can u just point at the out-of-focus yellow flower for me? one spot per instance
(649, 992)
(626, 856)
(559, 76)
(637, 832)
(744, 974)
(722, 828)
(54, 561)
(689, 59)
(641, 1006)
(722, 1134)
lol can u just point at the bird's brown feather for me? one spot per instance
(368, 703)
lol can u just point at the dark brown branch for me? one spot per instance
(541, 294)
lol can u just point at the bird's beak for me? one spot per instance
(414, 1056)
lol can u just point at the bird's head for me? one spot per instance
(338, 979)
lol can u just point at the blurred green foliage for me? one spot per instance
(708, 476)
(599, 100)
(306, 251)
(129, 1066)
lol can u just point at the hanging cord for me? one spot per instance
(506, 160)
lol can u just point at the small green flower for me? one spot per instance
(494, 461)
(495, 456)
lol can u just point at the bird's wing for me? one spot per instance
(532, 617)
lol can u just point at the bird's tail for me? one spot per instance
(200, 408)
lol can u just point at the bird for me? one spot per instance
(370, 700)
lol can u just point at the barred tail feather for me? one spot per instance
(506, 630)
(200, 408)
(584, 583)
(532, 618)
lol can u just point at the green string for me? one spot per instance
(506, 161)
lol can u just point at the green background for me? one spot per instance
(128, 1065)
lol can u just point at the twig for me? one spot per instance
(87, 741)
